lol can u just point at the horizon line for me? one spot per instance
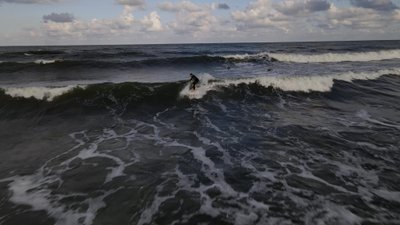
(198, 43)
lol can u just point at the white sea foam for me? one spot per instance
(365, 115)
(338, 57)
(46, 61)
(48, 93)
(201, 89)
(309, 83)
(261, 55)
(29, 190)
(321, 58)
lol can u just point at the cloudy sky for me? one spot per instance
(49, 22)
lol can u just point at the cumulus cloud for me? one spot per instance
(193, 19)
(124, 25)
(260, 14)
(59, 17)
(357, 18)
(29, 1)
(383, 5)
(302, 18)
(180, 6)
(259, 20)
(152, 22)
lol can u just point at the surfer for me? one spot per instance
(193, 81)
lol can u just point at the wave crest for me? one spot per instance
(312, 83)
(40, 93)
(338, 57)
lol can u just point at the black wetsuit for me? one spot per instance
(193, 81)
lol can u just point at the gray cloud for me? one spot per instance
(308, 6)
(381, 5)
(223, 6)
(29, 1)
(59, 17)
(136, 3)
(317, 5)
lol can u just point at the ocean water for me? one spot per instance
(276, 133)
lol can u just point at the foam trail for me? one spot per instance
(48, 93)
(338, 57)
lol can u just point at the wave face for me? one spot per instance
(95, 135)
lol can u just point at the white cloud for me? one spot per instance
(152, 22)
(193, 19)
(360, 18)
(260, 20)
(181, 6)
(310, 16)
(125, 24)
(260, 14)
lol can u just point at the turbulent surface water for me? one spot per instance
(285, 133)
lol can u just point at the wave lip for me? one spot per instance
(338, 57)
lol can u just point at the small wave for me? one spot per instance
(33, 52)
(265, 56)
(338, 57)
(47, 93)
(46, 61)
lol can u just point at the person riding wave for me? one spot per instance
(193, 81)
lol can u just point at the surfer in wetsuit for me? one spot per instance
(193, 81)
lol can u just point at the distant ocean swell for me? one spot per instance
(263, 57)
(60, 52)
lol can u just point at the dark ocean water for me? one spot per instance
(283, 133)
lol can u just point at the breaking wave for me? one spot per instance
(175, 90)
(338, 57)
(46, 61)
(47, 93)
(312, 83)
